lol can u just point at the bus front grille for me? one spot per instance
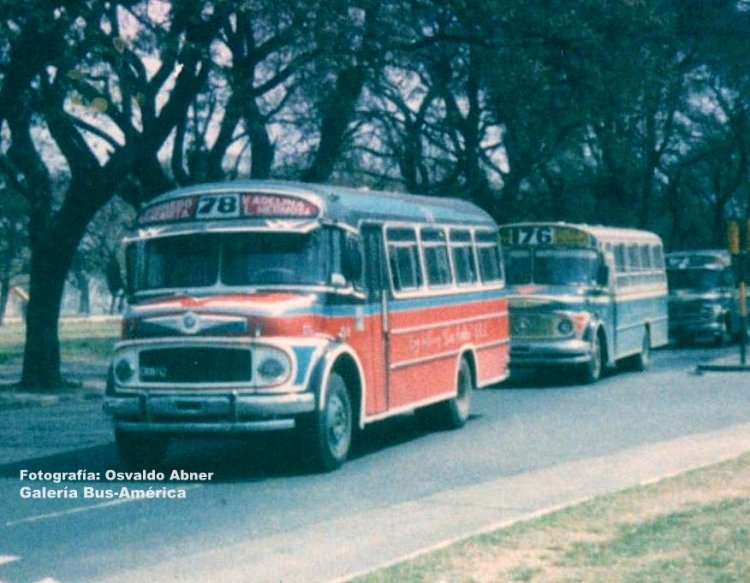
(195, 365)
(529, 325)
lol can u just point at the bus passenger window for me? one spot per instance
(645, 257)
(658, 257)
(634, 260)
(620, 266)
(463, 257)
(658, 262)
(488, 251)
(436, 257)
(403, 259)
(620, 257)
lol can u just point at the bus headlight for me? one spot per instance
(712, 311)
(124, 369)
(572, 323)
(565, 326)
(273, 366)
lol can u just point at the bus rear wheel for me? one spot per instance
(327, 435)
(453, 413)
(640, 361)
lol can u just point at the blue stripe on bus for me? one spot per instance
(303, 354)
(397, 305)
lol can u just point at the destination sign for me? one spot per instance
(533, 235)
(228, 206)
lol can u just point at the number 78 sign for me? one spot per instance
(218, 206)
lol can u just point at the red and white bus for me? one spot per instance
(261, 305)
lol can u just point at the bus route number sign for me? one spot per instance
(531, 235)
(544, 235)
(218, 206)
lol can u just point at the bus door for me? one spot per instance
(376, 284)
(609, 312)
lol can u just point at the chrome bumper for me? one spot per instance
(553, 353)
(190, 413)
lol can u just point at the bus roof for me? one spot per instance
(321, 203)
(598, 232)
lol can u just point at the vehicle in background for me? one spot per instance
(266, 305)
(584, 296)
(703, 302)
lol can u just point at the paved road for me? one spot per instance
(530, 446)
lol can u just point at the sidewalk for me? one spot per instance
(727, 363)
(86, 380)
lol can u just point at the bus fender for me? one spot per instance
(596, 326)
(599, 328)
(340, 356)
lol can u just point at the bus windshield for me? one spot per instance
(696, 279)
(230, 259)
(551, 266)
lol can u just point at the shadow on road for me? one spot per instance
(239, 459)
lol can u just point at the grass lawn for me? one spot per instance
(691, 528)
(79, 339)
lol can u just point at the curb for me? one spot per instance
(701, 368)
(20, 400)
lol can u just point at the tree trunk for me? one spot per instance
(52, 254)
(4, 295)
(41, 360)
(336, 119)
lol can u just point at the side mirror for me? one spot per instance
(351, 259)
(131, 268)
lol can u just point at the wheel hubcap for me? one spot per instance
(463, 397)
(596, 358)
(338, 423)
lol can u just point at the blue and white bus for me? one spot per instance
(584, 296)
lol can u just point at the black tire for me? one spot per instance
(141, 451)
(639, 362)
(327, 435)
(591, 371)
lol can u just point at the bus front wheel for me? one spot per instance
(592, 370)
(327, 435)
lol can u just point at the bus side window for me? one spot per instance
(374, 268)
(659, 263)
(645, 257)
(646, 264)
(403, 259)
(622, 276)
(634, 264)
(462, 254)
(488, 251)
(436, 259)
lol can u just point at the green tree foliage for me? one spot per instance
(627, 112)
(79, 93)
